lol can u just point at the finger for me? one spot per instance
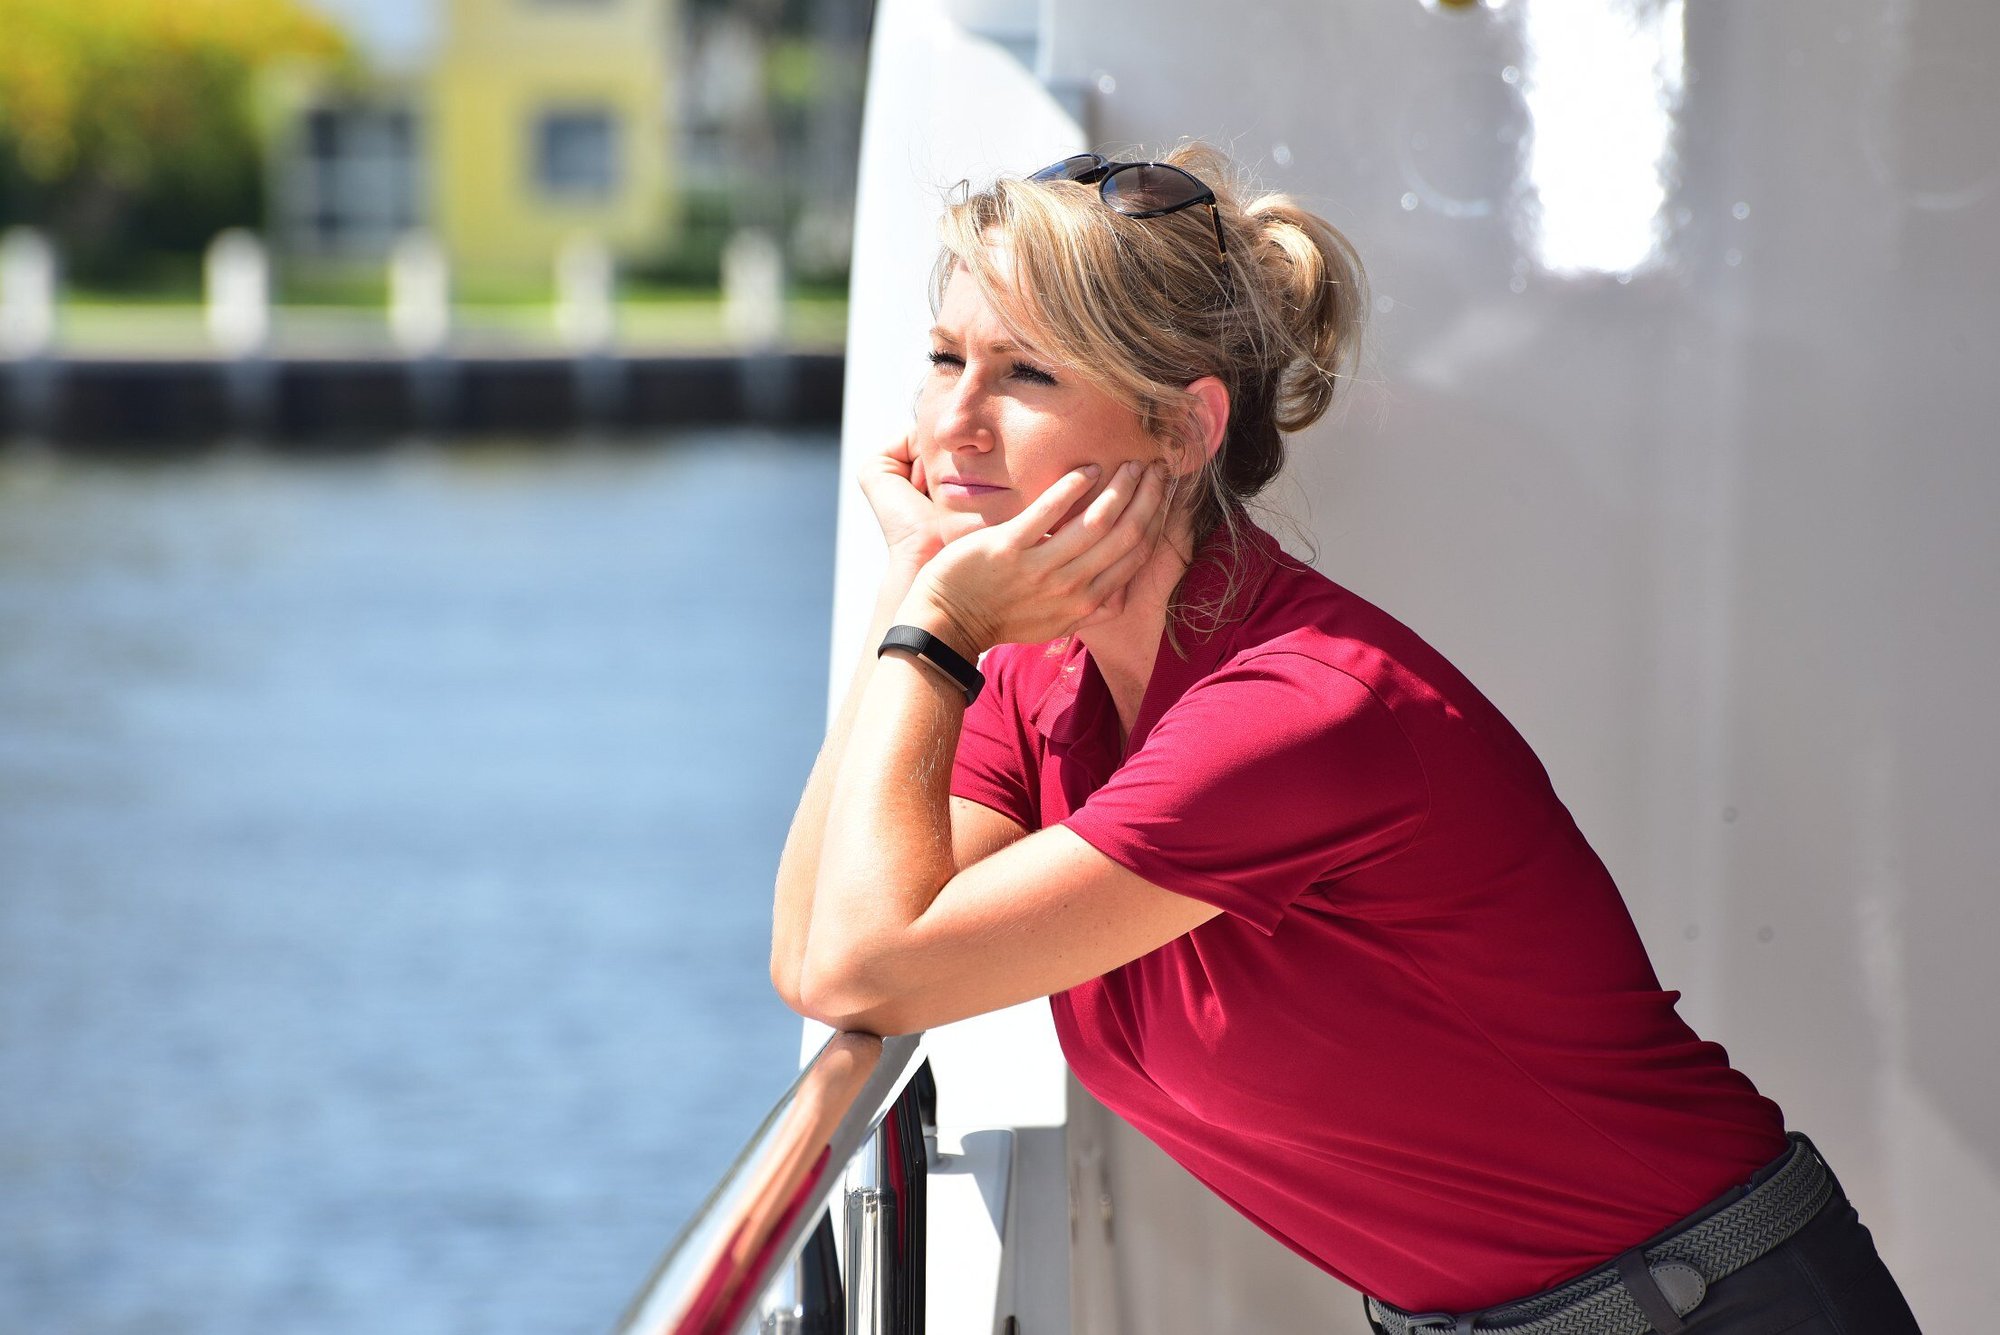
(1110, 588)
(896, 459)
(918, 478)
(879, 474)
(888, 478)
(1116, 499)
(1111, 581)
(1042, 514)
(1094, 522)
(1114, 525)
(892, 461)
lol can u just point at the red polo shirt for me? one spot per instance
(1422, 1045)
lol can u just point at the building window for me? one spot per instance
(576, 154)
(348, 180)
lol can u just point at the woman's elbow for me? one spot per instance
(839, 993)
(785, 979)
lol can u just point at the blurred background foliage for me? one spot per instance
(133, 132)
(131, 128)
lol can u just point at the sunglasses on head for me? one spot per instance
(1139, 189)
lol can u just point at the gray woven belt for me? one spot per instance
(1614, 1299)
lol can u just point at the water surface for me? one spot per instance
(385, 851)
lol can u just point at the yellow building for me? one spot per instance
(549, 118)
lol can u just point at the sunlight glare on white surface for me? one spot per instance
(1603, 83)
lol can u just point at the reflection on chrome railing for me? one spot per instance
(886, 1219)
(778, 1190)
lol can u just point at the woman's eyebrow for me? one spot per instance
(943, 335)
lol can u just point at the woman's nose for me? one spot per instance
(964, 418)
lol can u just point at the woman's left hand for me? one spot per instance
(1027, 580)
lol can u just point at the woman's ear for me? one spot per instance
(1208, 418)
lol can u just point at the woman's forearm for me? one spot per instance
(887, 848)
(798, 866)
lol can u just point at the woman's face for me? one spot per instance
(995, 426)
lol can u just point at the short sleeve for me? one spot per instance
(1268, 776)
(993, 764)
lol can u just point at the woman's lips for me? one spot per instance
(952, 488)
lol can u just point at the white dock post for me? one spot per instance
(419, 295)
(753, 312)
(753, 290)
(587, 322)
(420, 323)
(586, 295)
(237, 287)
(30, 281)
(236, 284)
(28, 285)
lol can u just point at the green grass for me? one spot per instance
(659, 320)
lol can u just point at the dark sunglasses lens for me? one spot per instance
(1150, 187)
(1081, 167)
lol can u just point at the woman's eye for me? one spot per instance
(1034, 375)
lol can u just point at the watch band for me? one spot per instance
(938, 654)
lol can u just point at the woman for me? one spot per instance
(1305, 906)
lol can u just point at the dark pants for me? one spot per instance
(1824, 1280)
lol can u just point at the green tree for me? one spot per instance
(129, 128)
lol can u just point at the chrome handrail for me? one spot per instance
(757, 1217)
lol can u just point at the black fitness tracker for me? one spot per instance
(930, 649)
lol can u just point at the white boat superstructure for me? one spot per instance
(1677, 433)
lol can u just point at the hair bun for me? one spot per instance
(1316, 297)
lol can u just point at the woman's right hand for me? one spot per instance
(913, 525)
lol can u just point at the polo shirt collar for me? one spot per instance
(1067, 713)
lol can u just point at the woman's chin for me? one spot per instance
(969, 514)
(959, 523)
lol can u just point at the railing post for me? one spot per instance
(774, 1202)
(871, 1223)
(810, 1299)
(822, 1295)
(910, 1136)
(783, 1313)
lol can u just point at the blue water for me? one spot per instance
(385, 852)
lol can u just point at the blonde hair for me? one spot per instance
(1141, 307)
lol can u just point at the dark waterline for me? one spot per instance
(385, 849)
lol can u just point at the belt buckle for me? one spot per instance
(1413, 1322)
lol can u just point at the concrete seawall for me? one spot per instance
(331, 399)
